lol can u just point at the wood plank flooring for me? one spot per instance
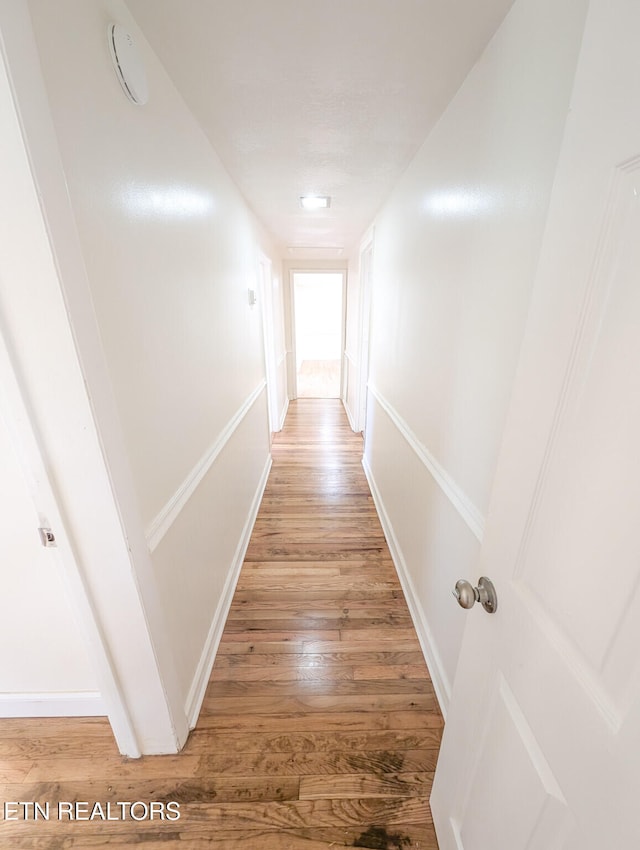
(319, 729)
(319, 379)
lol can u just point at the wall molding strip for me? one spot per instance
(200, 681)
(54, 704)
(351, 357)
(163, 521)
(347, 410)
(452, 490)
(441, 684)
(283, 415)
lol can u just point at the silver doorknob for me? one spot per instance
(485, 593)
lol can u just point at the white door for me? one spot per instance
(542, 746)
(46, 668)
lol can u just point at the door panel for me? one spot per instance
(578, 558)
(542, 744)
(534, 799)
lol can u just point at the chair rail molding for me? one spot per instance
(161, 523)
(472, 516)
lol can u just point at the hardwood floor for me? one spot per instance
(319, 729)
(319, 379)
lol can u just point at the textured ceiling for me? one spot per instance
(331, 97)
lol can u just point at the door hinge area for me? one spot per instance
(47, 538)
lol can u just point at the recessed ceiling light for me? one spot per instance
(315, 202)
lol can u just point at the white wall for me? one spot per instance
(456, 248)
(47, 407)
(43, 643)
(43, 646)
(170, 251)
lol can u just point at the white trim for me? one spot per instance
(365, 299)
(367, 239)
(25, 444)
(290, 317)
(58, 704)
(282, 358)
(205, 665)
(452, 490)
(441, 684)
(159, 526)
(349, 359)
(283, 415)
(352, 424)
(265, 288)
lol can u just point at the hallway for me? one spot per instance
(468, 175)
(319, 727)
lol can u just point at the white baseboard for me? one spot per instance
(349, 415)
(439, 678)
(57, 704)
(205, 665)
(283, 415)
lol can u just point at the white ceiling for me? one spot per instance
(332, 97)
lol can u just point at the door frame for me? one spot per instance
(34, 465)
(292, 364)
(265, 284)
(364, 338)
(34, 462)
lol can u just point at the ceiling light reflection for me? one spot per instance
(167, 202)
(457, 203)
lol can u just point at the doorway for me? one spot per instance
(266, 297)
(318, 320)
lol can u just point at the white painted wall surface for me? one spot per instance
(227, 491)
(170, 250)
(169, 245)
(456, 248)
(42, 645)
(46, 405)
